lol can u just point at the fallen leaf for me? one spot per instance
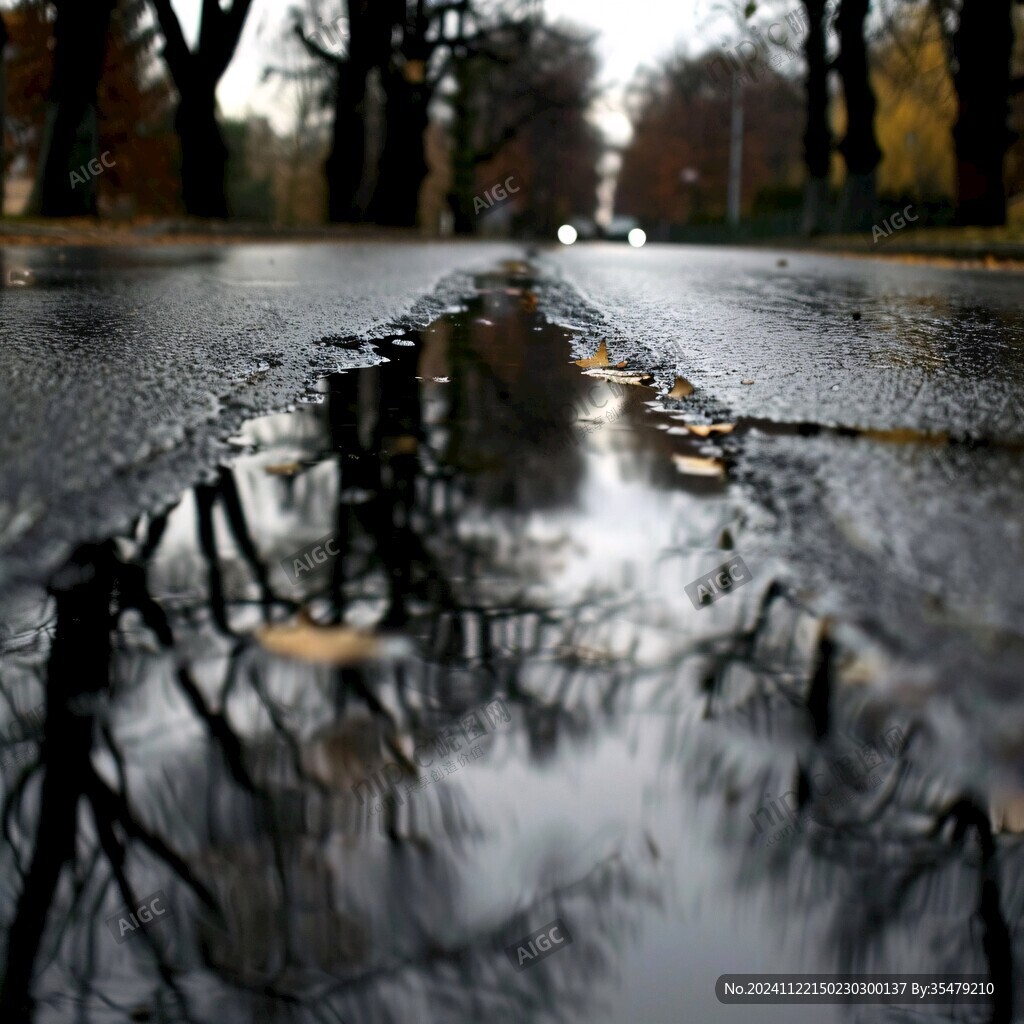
(599, 358)
(326, 645)
(696, 465)
(906, 435)
(746, 382)
(681, 389)
(283, 469)
(707, 429)
(622, 376)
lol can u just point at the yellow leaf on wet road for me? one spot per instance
(325, 645)
(681, 389)
(707, 429)
(906, 435)
(696, 465)
(283, 469)
(599, 358)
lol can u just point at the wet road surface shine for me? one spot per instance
(516, 714)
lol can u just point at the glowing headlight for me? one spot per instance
(567, 234)
(636, 238)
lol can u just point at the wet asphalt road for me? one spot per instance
(883, 471)
(124, 372)
(871, 483)
(825, 339)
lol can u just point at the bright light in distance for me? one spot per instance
(637, 237)
(567, 234)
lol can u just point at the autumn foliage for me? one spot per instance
(133, 102)
(675, 169)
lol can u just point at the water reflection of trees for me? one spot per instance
(917, 879)
(177, 755)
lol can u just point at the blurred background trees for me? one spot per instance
(899, 101)
(980, 57)
(196, 72)
(519, 104)
(3, 106)
(133, 106)
(814, 115)
(70, 134)
(675, 170)
(348, 50)
(136, 101)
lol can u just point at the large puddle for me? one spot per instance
(474, 645)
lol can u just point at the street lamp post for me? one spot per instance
(735, 153)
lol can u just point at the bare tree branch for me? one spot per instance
(232, 23)
(175, 52)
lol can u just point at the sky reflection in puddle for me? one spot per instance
(490, 525)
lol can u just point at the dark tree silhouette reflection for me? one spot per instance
(325, 850)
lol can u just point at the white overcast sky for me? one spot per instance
(630, 33)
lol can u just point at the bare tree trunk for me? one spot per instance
(3, 110)
(817, 136)
(859, 147)
(982, 49)
(348, 144)
(196, 74)
(204, 154)
(460, 198)
(370, 24)
(403, 163)
(407, 91)
(71, 133)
